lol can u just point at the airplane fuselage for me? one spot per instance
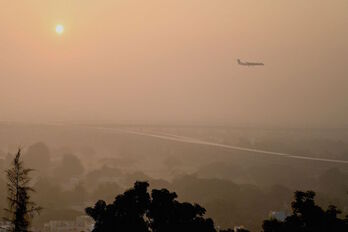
(249, 63)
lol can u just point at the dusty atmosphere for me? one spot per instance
(166, 116)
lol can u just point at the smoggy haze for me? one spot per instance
(175, 61)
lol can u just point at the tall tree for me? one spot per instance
(307, 216)
(21, 209)
(166, 214)
(125, 214)
(137, 210)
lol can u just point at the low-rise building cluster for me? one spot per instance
(80, 224)
(5, 226)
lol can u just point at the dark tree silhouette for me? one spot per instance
(135, 210)
(21, 209)
(126, 213)
(308, 217)
(168, 215)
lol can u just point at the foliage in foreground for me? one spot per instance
(308, 217)
(21, 209)
(137, 210)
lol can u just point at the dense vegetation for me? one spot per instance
(307, 216)
(235, 188)
(137, 210)
(20, 207)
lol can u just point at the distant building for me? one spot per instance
(278, 215)
(84, 223)
(5, 226)
(80, 224)
(238, 228)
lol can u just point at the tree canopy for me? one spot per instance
(137, 210)
(308, 217)
(21, 209)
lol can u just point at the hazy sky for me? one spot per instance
(175, 61)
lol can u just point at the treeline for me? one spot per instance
(138, 210)
(307, 216)
(162, 211)
(233, 191)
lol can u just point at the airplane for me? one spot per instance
(249, 63)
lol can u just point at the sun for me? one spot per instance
(59, 29)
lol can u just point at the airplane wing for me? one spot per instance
(256, 64)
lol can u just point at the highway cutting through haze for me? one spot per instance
(189, 140)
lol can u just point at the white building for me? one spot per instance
(278, 215)
(5, 226)
(80, 224)
(238, 228)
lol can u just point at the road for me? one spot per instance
(184, 139)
